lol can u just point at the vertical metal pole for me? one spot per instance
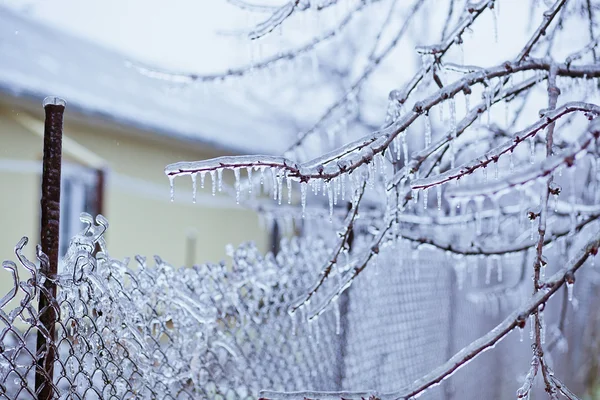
(54, 108)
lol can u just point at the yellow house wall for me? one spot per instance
(142, 221)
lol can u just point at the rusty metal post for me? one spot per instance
(54, 108)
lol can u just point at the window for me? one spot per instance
(80, 192)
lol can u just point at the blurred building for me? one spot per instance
(121, 129)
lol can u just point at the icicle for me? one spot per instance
(532, 229)
(439, 197)
(425, 198)
(479, 200)
(337, 311)
(404, 147)
(289, 189)
(329, 186)
(343, 185)
(214, 183)
(570, 291)
(488, 271)
(274, 175)
(532, 326)
(485, 175)
(521, 329)
(294, 323)
(236, 173)
(220, 179)
(194, 188)
(280, 174)
(375, 263)
(415, 195)
(397, 147)
(202, 177)
(427, 130)
(372, 174)
(499, 269)
(512, 162)
(262, 175)
(172, 187)
(532, 149)
(467, 103)
(496, 170)
(303, 195)
(249, 172)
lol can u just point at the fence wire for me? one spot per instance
(216, 331)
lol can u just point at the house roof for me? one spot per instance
(37, 61)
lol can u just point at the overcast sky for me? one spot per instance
(145, 29)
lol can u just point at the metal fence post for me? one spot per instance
(54, 108)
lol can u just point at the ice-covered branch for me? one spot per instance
(548, 16)
(494, 154)
(539, 262)
(244, 5)
(580, 53)
(562, 387)
(529, 175)
(470, 14)
(355, 268)
(517, 319)
(419, 157)
(342, 243)
(496, 249)
(358, 82)
(277, 18)
(185, 77)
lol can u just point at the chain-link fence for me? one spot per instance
(211, 331)
(217, 331)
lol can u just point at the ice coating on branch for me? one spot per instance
(275, 20)
(491, 156)
(525, 177)
(523, 391)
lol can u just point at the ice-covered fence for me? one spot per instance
(140, 331)
(220, 331)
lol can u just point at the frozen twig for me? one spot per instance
(358, 82)
(342, 243)
(548, 16)
(244, 5)
(496, 249)
(311, 46)
(539, 262)
(494, 154)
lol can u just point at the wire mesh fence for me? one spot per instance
(211, 331)
(222, 331)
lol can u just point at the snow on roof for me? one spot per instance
(37, 61)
